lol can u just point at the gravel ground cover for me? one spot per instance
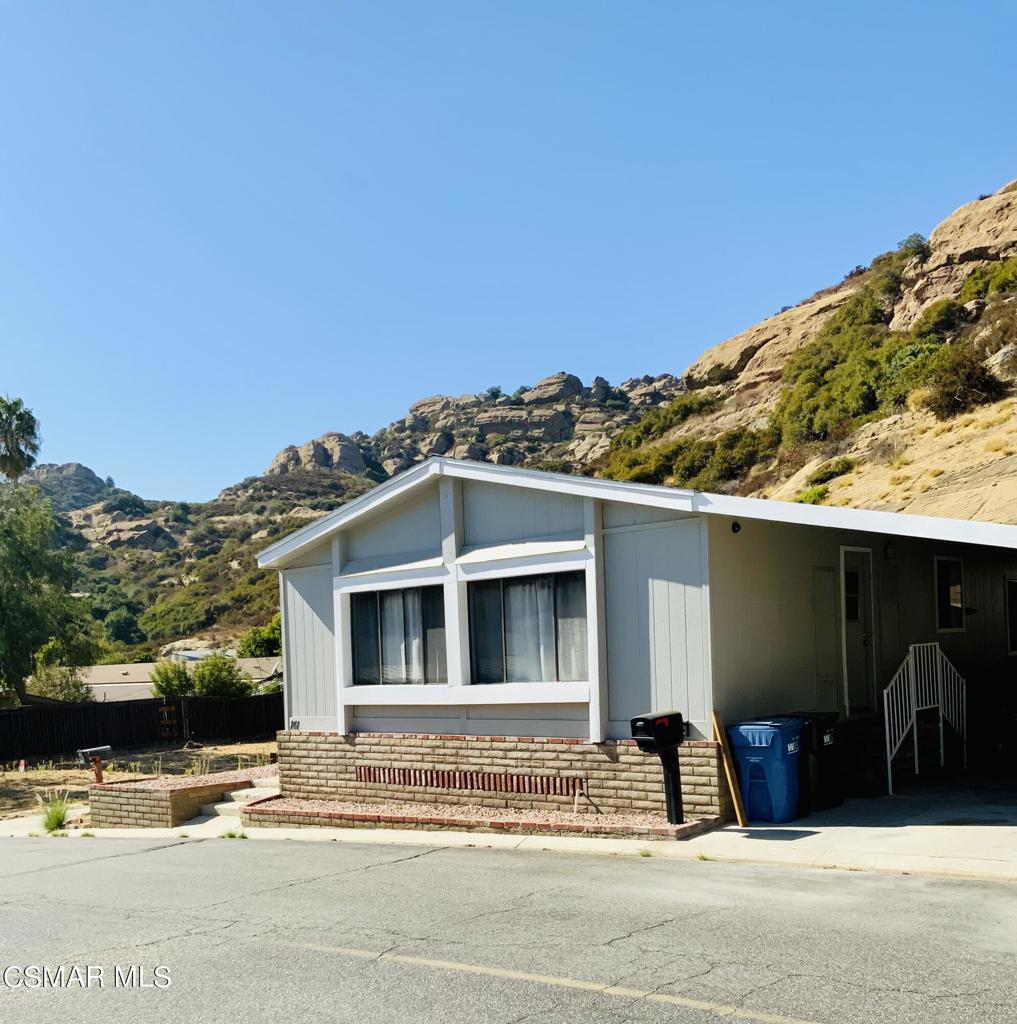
(197, 781)
(282, 812)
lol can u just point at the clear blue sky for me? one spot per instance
(226, 227)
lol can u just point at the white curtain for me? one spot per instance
(529, 630)
(402, 637)
(571, 599)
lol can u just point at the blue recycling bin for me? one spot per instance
(766, 752)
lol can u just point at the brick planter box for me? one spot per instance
(515, 772)
(279, 812)
(160, 801)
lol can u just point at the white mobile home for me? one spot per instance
(466, 599)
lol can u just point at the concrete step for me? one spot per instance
(233, 803)
(245, 796)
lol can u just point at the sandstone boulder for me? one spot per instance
(559, 387)
(551, 425)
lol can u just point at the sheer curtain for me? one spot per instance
(571, 602)
(529, 630)
(402, 636)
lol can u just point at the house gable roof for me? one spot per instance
(680, 499)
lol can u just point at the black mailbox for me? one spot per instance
(664, 730)
(662, 733)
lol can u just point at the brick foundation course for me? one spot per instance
(616, 776)
(131, 805)
(262, 814)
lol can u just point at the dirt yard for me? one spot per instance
(18, 789)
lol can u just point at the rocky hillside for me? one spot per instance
(184, 570)
(888, 390)
(560, 424)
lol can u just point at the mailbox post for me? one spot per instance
(662, 733)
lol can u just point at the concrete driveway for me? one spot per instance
(282, 931)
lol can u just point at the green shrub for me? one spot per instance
(959, 381)
(55, 807)
(702, 463)
(659, 421)
(60, 683)
(171, 679)
(939, 320)
(129, 504)
(831, 470)
(813, 495)
(995, 278)
(261, 641)
(219, 676)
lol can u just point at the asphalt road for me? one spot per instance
(295, 932)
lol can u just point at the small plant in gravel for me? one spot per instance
(58, 835)
(233, 834)
(55, 806)
(87, 835)
(645, 853)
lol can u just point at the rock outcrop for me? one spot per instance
(558, 421)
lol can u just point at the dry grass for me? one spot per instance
(935, 471)
(899, 478)
(19, 791)
(899, 461)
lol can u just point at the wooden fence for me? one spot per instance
(38, 730)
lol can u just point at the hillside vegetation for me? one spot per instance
(889, 390)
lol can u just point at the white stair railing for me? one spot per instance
(925, 680)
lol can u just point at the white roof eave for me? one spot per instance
(862, 520)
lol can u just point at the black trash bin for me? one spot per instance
(820, 782)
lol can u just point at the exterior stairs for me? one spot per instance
(233, 803)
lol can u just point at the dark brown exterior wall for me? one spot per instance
(618, 776)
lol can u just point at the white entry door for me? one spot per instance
(858, 638)
(658, 652)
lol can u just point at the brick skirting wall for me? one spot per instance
(131, 805)
(610, 777)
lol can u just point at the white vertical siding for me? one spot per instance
(657, 623)
(309, 647)
(498, 514)
(405, 532)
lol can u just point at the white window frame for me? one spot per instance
(936, 559)
(456, 568)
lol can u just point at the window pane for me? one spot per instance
(949, 599)
(433, 602)
(364, 612)
(402, 637)
(1011, 615)
(571, 616)
(485, 632)
(529, 630)
(852, 591)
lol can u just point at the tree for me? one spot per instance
(122, 627)
(60, 683)
(35, 581)
(261, 641)
(219, 676)
(171, 679)
(19, 438)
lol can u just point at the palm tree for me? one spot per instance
(19, 438)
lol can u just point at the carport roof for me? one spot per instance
(964, 531)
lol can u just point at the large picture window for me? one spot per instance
(399, 636)
(949, 594)
(529, 629)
